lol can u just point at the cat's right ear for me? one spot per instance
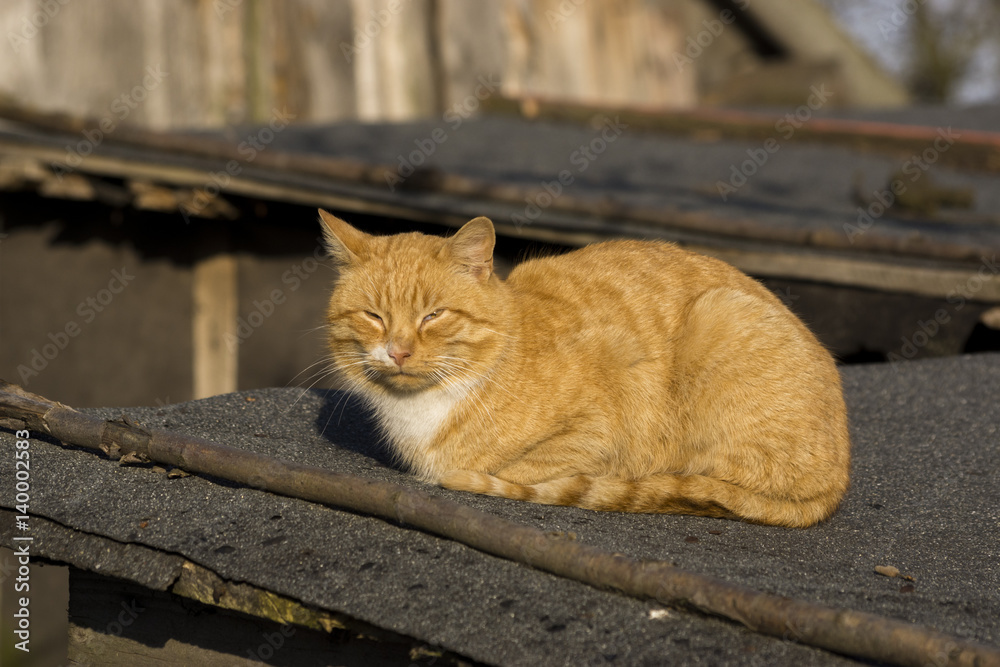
(344, 243)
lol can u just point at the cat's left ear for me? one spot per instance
(472, 248)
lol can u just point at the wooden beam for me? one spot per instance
(978, 284)
(215, 342)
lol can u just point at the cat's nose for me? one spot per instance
(398, 355)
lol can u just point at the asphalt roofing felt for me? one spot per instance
(925, 498)
(802, 183)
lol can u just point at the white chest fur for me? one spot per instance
(411, 423)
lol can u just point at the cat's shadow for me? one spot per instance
(347, 423)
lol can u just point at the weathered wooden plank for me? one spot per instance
(215, 358)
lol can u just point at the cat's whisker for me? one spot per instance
(494, 383)
(352, 354)
(470, 367)
(360, 362)
(323, 375)
(454, 370)
(480, 409)
(499, 334)
(328, 358)
(343, 400)
(456, 363)
(327, 363)
(326, 424)
(303, 332)
(317, 377)
(456, 360)
(334, 367)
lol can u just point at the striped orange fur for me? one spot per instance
(625, 376)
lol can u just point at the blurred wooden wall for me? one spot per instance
(234, 61)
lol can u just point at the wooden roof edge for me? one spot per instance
(63, 544)
(370, 183)
(969, 149)
(974, 150)
(183, 143)
(812, 33)
(937, 276)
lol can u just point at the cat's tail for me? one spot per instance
(664, 493)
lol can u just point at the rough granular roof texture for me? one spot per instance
(925, 498)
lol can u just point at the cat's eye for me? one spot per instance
(373, 316)
(431, 316)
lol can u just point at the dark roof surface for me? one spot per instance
(792, 185)
(925, 498)
(631, 182)
(979, 117)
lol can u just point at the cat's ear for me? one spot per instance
(344, 243)
(472, 248)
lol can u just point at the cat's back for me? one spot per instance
(637, 295)
(614, 272)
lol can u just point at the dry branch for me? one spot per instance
(844, 631)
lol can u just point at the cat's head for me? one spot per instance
(412, 312)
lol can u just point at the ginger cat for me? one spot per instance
(627, 376)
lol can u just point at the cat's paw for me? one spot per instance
(466, 480)
(480, 482)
